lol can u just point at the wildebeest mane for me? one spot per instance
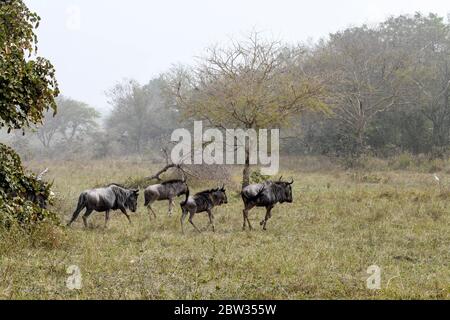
(203, 199)
(278, 191)
(172, 182)
(121, 195)
(117, 185)
(207, 192)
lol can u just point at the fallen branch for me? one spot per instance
(170, 165)
(157, 176)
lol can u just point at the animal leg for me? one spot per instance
(106, 219)
(150, 211)
(192, 222)
(245, 221)
(171, 205)
(183, 217)
(248, 222)
(268, 216)
(86, 216)
(248, 207)
(211, 220)
(126, 215)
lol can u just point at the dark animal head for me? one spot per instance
(219, 196)
(286, 191)
(132, 199)
(40, 196)
(42, 202)
(37, 199)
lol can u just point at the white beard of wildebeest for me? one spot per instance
(168, 190)
(112, 197)
(266, 195)
(203, 202)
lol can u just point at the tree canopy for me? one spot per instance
(27, 89)
(27, 83)
(74, 120)
(251, 84)
(139, 114)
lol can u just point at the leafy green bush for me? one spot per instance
(22, 195)
(257, 177)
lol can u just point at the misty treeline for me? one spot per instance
(140, 122)
(377, 90)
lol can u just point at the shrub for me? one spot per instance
(22, 196)
(257, 177)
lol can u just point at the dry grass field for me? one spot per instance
(341, 222)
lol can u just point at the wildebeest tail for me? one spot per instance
(186, 200)
(82, 202)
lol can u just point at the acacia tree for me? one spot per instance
(27, 90)
(251, 84)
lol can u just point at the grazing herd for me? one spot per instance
(116, 197)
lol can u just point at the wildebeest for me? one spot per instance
(112, 197)
(38, 196)
(266, 195)
(167, 190)
(203, 201)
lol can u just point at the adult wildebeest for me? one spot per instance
(38, 196)
(112, 197)
(168, 190)
(203, 201)
(266, 195)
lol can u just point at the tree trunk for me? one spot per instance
(358, 151)
(246, 172)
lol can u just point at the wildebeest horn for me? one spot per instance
(41, 175)
(281, 178)
(291, 181)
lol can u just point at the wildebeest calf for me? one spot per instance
(168, 190)
(266, 195)
(203, 201)
(112, 197)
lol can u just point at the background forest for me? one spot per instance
(386, 89)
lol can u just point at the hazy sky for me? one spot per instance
(95, 43)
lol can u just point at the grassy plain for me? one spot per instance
(341, 222)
